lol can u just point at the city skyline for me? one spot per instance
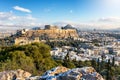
(101, 14)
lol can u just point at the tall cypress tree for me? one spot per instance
(93, 62)
(108, 70)
(113, 61)
(98, 65)
(67, 62)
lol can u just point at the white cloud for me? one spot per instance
(9, 19)
(101, 23)
(106, 23)
(110, 19)
(5, 16)
(22, 9)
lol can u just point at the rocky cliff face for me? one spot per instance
(49, 32)
(58, 73)
(53, 33)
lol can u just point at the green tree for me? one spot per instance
(98, 65)
(94, 64)
(34, 58)
(108, 70)
(67, 62)
(113, 61)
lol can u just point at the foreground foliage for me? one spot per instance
(34, 58)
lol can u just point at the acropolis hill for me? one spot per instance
(49, 32)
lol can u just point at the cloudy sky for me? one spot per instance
(102, 14)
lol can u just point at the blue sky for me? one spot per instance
(95, 13)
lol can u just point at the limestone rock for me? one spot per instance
(58, 73)
(62, 73)
(53, 73)
(85, 73)
(14, 75)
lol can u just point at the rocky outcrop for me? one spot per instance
(62, 73)
(14, 75)
(86, 73)
(24, 36)
(58, 73)
(50, 31)
(57, 70)
(53, 33)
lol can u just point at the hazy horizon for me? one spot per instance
(99, 14)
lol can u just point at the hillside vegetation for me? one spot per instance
(34, 58)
